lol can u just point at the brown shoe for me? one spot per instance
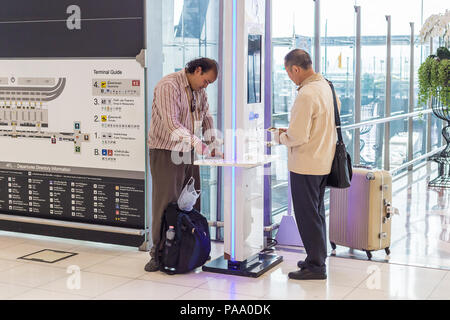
(151, 266)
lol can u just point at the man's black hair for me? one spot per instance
(205, 63)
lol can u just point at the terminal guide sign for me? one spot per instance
(72, 111)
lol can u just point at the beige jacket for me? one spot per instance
(311, 136)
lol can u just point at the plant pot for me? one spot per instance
(443, 159)
(443, 112)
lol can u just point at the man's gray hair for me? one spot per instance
(298, 57)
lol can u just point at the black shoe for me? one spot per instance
(151, 266)
(305, 274)
(301, 264)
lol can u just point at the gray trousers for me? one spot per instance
(168, 180)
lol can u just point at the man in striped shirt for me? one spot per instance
(180, 116)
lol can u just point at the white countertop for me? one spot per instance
(214, 162)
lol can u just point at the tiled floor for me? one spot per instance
(107, 272)
(113, 272)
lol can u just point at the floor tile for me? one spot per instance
(352, 263)
(85, 284)
(31, 275)
(336, 275)
(120, 266)
(144, 290)
(348, 277)
(442, 290)
(203, 294)
(256, 287)
(404, 281)
(307, 290)
(136, 254)
(102, 248)
(19, 250)
(370, 294)
(83, 260)
(291, 254)
(8, 291)
(8, 241)
(9, 264)
(39, 294)
(53, 243)
(192, 279)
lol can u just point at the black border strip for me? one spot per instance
(72, 233)
(71, 254)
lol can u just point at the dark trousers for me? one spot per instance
(168, 180)
(308, 199)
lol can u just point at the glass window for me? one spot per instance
(190, 29)
(436, 135)
(337, 41)
(292, 27)
(373, 83)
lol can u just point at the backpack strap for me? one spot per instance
(171, 214)
(188, 222)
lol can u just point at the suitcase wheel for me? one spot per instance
(369, 255)
(333, 246)
(388, 252)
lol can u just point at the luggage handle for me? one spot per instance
(383, 235)
(390, 211)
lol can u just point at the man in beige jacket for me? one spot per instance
(311, 142)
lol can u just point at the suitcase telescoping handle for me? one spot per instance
(362, 166)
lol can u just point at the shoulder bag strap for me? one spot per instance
(337, 118)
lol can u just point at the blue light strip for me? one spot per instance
(233, 108)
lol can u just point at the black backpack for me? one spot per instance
(191, 246)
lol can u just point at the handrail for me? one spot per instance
(418, 159)
(384, 120)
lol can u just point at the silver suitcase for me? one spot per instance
(360, 216)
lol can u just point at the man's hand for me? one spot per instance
(277, 133)
(202, 149)
(217, 154)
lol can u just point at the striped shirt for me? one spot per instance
(173, 126)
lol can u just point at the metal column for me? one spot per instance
(411, 97)
(317, 36)
(219, 215)
(154, 41)
(387, 113)
(356, 137)
(268, 116)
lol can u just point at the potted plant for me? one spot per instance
(434, 75)
(434, 72)
(434, 84)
